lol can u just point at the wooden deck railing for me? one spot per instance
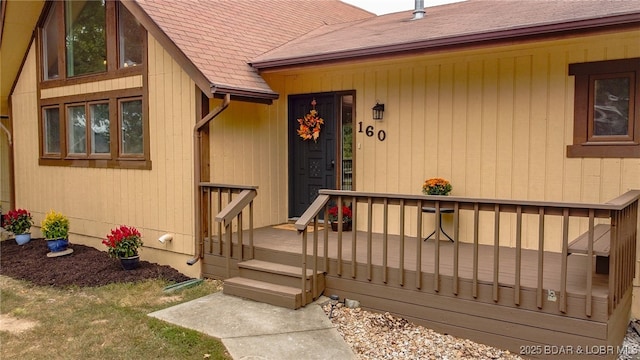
(622, 213)
(224, 204)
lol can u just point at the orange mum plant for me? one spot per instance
(436, 186)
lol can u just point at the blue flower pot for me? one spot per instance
(130, 263)
(22, 239)
(56, 245)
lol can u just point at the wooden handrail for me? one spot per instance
(312, 211)
(238, 198)
(235, 207)
(228, 186)
(621, 213)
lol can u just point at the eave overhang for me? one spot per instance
(577, 27)
(209, 88)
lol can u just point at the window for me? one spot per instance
(89, 38)
(51, 131)
(50, 41)
(100, 128)
(86, 37)
(131, 127)
(77, 130)
(95, 130)
(130, 34)
(86, 42)
(606, 109)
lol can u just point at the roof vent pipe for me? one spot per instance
(418, 13)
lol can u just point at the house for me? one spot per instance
(531, 110)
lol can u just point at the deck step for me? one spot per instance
(274, 294)
(275, 268)
(280, 274)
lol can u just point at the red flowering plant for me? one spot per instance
(346, 214)
(18, 221)
(310, 124)
(123, 241)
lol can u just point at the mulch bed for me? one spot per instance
(85, 267)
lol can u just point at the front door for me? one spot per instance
(312, 163)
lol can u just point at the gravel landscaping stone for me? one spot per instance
(383, 336)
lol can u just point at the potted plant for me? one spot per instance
(123, 243)
(19, 222)
(55, 229)
(334, 218)
(436, 186)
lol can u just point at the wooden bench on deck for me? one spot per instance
(601, 246)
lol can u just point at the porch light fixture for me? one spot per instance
(378, 111)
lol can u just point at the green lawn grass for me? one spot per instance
(107, 322)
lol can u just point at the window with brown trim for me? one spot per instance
(88, 40)
(606, 109)
(84, 41)
(107, 129)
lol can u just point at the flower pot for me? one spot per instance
(22, 239)
(130, 263)
(346, 226)
(57, 245)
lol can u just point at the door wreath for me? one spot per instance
(310, 124)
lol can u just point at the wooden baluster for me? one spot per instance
(589, 274)
(354, 250)
(219, 193)
(326, 239)
(476, 220)
(303, 286)
(496, 252)
(369, 237)
(456, 246)
(251, 230)
(436, 245)
(314, 275)
(563, 266)
(385, 240)
(516, 294)
(401, 265)
(540, 288)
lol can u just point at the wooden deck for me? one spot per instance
(501, 323)
(528, 301)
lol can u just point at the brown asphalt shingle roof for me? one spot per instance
(220, 36)
(452, 24)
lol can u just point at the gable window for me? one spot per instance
(606, 109)
(86, 37)
(91, 39)
(130, 39)
(50, 41)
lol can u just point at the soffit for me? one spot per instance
(18, 22)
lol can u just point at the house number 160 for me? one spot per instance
(369, 131)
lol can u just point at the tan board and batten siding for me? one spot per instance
(494, 121)
(156, 201)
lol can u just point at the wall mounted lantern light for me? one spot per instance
(378, 111)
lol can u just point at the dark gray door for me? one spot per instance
(312, 165)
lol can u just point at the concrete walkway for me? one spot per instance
(253, 330)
